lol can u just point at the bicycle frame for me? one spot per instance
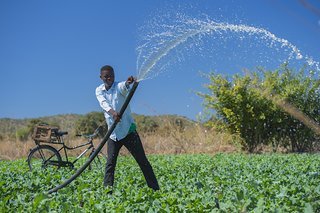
(64, 147)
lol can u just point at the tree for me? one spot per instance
(239, 109)
(90, 122)
(245, 105)
(146, 124)
(297, 95)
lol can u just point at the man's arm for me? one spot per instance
(116, 117)
(105, 106)
(125, 85)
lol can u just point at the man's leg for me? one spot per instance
(113, 148)
(133, 143)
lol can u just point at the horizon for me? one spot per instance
(78, 114)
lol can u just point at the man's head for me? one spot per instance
(107, 75)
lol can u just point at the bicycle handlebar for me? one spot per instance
(96, 132)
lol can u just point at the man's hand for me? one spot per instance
(130, 80)
(115, 115)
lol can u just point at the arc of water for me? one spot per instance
(148, 64)
(163, 52)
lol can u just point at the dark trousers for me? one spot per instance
(133, 143)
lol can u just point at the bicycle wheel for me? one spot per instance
(44, 156)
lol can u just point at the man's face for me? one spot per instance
(107, 77)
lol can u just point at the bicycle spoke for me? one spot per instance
(42, 157)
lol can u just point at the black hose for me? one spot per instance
(102, 143)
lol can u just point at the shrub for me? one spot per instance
(258, 107)
(146, 124)
(297, 94)
(22, 134)
(90, 122)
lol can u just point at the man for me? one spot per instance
(111, 96)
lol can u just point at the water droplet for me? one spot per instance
(171, 34)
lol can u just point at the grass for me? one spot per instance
(169, 139)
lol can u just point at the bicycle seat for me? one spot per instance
(60, 133)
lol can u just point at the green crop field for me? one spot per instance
(189, 183)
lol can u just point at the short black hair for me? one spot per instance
(106, 67)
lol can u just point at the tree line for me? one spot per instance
(276, 108)
(88, 123)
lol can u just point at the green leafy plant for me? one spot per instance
(189, 183)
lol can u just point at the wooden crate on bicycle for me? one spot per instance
(45, 133)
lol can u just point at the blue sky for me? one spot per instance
(51, 51)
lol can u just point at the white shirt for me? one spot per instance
(114, 99)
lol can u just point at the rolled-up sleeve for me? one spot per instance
(102, 100)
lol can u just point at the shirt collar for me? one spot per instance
(111, 88)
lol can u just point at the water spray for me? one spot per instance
(161, 39)
(291, 110)
(102, 143)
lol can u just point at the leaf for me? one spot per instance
(37, 200)
(308, 208)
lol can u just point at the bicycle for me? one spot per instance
(44, 155)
